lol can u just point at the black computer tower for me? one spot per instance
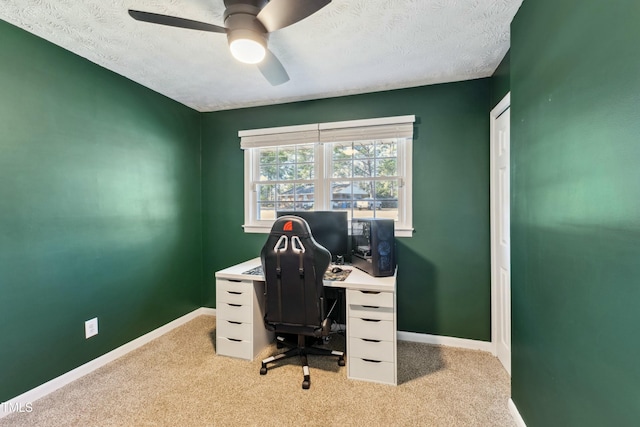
(373, 246)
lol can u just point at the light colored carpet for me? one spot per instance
(178, 380)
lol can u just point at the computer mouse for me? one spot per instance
(336, 270)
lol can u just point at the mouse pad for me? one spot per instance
(340, 277)
(257, 271)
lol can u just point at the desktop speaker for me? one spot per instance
(373, 246)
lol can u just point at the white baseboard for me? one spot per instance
(515, 414)
(205, 311)
(24, 401)
(446, 341)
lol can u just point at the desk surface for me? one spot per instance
(357, 279)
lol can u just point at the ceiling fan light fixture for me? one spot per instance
(247, 51)
(247, 46)
(247, 24)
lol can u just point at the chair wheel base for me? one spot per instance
(301, 350)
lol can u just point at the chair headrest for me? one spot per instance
(290, 225)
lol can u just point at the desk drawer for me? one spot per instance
(233, 348)
(233, 292)
(371, 329)
(368, 312)
(372, 370)
(370, 298)
(235, 330)
(236, 312)
(371, 349)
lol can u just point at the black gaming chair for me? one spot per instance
(294, 265)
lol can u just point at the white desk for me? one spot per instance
(371, 320)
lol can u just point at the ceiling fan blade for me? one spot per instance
(172, 21)
(272, 69)
(282, 13)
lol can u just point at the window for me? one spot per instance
(362, 167)
(285, 179)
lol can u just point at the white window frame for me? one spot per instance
(316, 133)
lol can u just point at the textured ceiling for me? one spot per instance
(348, 47)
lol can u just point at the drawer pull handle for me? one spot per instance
(234, 280)
(372, 361)
(235, 323)
(371, 320)
(369, 340)
(234, 292)
(234, 339)
(234, 305)
(371, 292)
(371, 306)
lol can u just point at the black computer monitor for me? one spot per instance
(329, 228)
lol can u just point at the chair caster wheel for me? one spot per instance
(263, 371)
(341, 362)
(278, 345)
(306, 385)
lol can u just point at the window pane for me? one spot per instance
(386, 197)
(303, 206)
(363, 149)
(341, 195)
(386, 190)
(363, 190)
(286, 172)
(387, 148)
(363, 168)
(304, 196)
(266, 193)
(305, 153)
(266, 210)
(342, 169)
(287, 155)
(268, 172)
(363, 200)
(305, 171)
(284, 192)
(386, 167)
(268, 155)
(285, 206)
(300, 197)
(342, 151)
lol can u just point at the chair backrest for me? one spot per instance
(294, 265)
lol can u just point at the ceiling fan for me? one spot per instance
(247, 24)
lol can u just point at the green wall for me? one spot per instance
(444, 269)
(100, 194)
(575, 114)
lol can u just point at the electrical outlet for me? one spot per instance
(91, 327)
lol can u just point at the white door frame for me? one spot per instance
(495, 113)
